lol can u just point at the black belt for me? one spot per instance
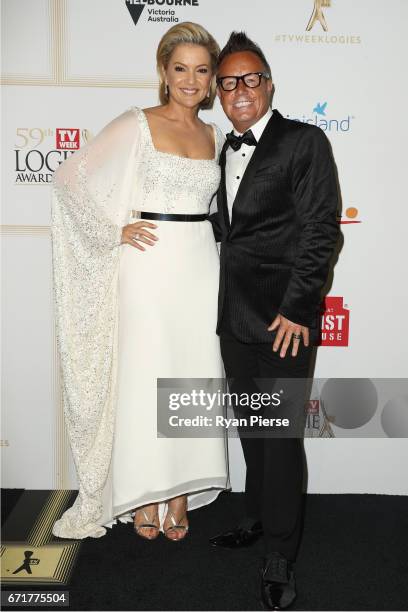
(171, 217)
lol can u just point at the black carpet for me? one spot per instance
(353, 556)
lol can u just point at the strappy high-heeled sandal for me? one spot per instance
(176, 526)
(146, 525)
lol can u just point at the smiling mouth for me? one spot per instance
(189, 92)
(242, 104)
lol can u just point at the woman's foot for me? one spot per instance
(175, 525)
(146, 522)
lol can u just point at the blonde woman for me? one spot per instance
(136, 281)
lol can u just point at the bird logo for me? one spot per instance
(320, 109)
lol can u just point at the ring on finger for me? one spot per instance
(297, 336)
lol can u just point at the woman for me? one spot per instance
(136, 300)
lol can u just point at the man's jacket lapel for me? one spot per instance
(264, 147)
(222, 193)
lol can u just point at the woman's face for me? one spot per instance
(188, 74)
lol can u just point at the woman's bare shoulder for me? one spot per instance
(154, 111)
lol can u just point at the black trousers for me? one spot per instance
(274, 461)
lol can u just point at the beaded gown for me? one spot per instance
(126, 317)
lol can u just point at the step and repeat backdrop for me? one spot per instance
(70, 66)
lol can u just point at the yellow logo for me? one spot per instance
(317, 36)
(317, 15)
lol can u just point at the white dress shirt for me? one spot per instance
(237, 161)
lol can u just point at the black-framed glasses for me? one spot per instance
(251, 79)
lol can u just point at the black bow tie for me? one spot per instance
(235, 142)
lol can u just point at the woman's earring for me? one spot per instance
(167, 90)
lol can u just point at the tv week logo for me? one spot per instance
(312, 406)
(335, 321)
(67, 138)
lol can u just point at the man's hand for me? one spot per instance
(286, 331)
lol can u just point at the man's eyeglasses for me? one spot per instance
(251, 79)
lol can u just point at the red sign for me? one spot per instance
(312, 407)
(335, 319)
(67, 138)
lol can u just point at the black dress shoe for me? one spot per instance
(239, 537)
(278, 590)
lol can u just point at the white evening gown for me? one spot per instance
(125, 318)
(167, 321)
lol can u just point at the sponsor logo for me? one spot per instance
(27, 562)
(67, 138)
(158, 11)
(317, 15)
(317, 424)
(320, 36)
(312, 423)
(335, 322)
(312, 406)
(135, 9)
(39, 151)
(325, 122)
(350, 216)
(320, 109)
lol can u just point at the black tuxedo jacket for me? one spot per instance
(275, 253)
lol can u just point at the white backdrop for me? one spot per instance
(76, 64)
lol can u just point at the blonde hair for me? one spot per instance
(186, 33)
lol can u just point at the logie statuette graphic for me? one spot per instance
(318, 15)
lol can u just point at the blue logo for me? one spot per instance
(319, 109)
(322, 119)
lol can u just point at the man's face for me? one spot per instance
(244, 106)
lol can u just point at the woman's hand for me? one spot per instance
(134, 233)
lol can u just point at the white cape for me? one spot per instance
(93, 191)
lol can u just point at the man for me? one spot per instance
(276, 221)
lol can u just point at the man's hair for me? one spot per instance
(239, 42)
